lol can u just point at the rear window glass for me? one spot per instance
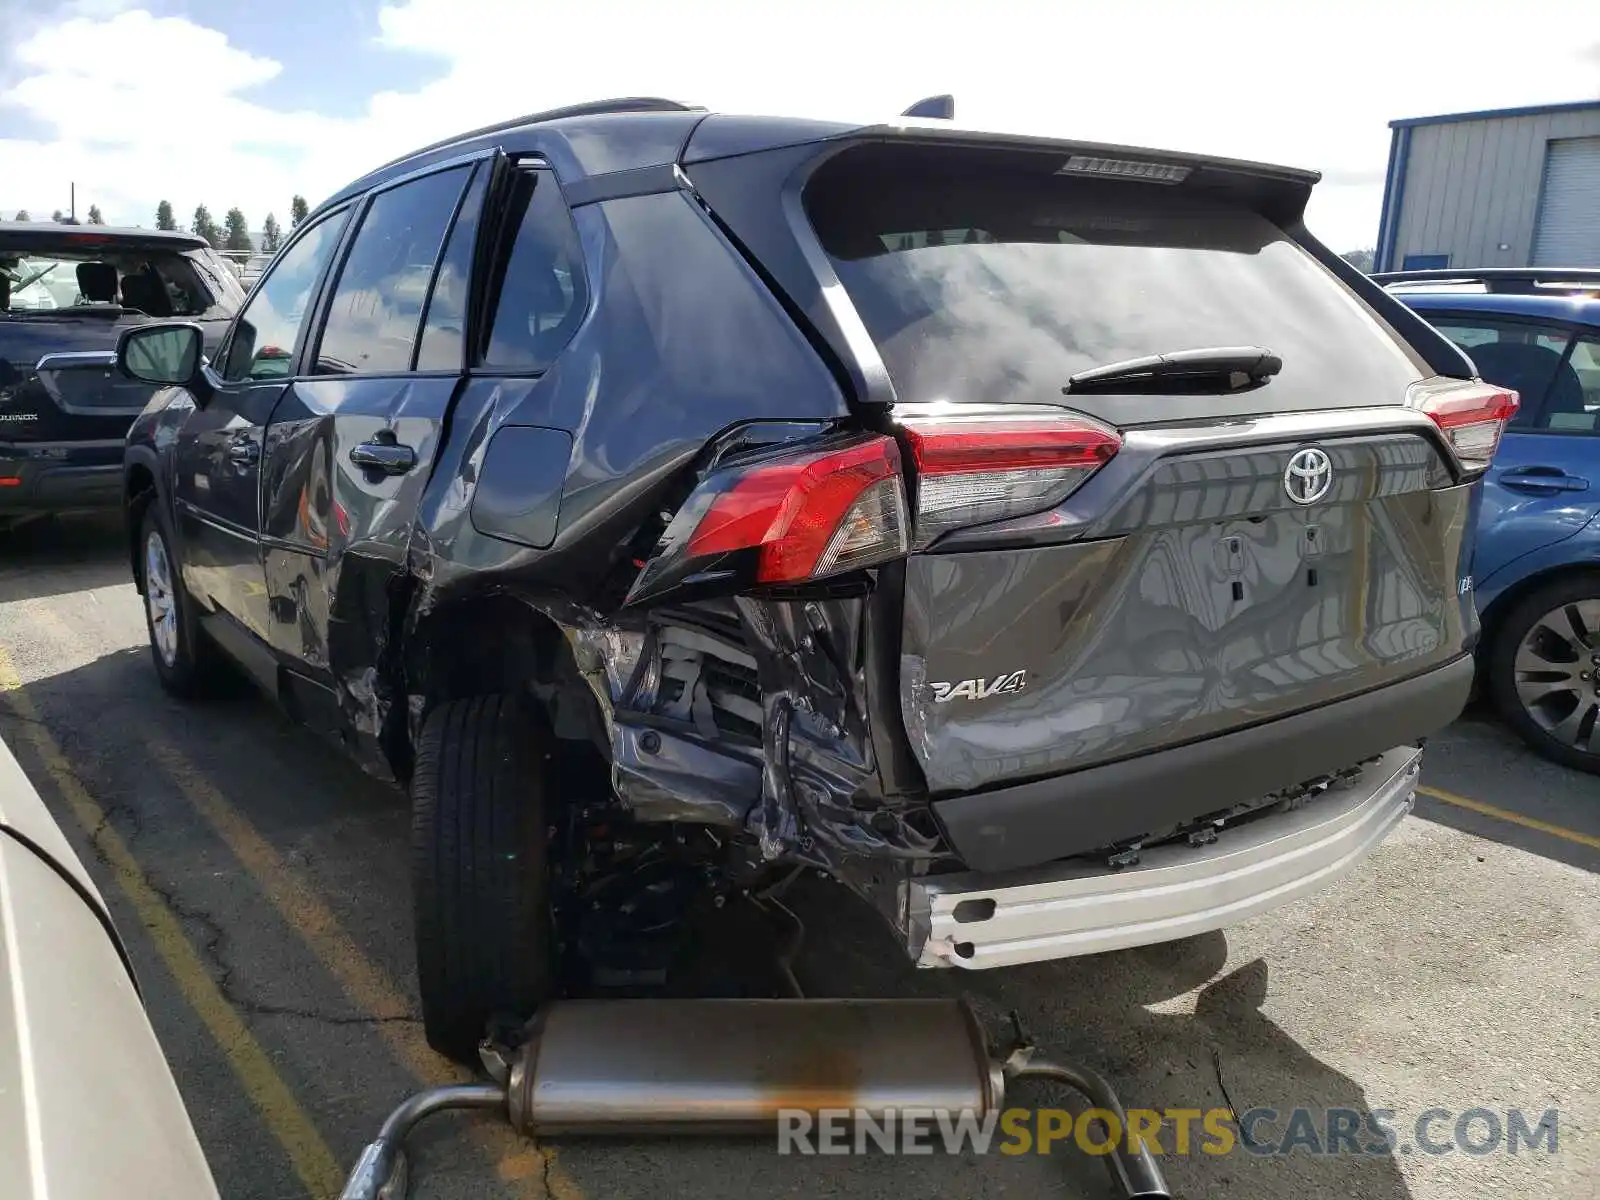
(157, 283)
(999, 288)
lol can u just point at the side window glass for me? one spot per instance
(376, 310)
(262, 343)
(539, 299)
(1573, 405)
(444, 327)
(1517, 355)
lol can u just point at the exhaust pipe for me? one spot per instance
(609, 1067)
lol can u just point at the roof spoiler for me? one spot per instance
(1515, 280)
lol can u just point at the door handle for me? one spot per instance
(1543, 480)
(384, 455)
(244, 453)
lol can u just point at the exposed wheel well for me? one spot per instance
(138, 493)
(498, 645)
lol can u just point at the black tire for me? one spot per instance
(189, 665)
(480, 884)
(1552, 700)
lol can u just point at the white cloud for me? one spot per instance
(1308, 85)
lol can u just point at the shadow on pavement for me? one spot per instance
(1128, 1014)
(1159, 1021)
(55, 555)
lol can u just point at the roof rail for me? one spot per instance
(623, 104)
(1525, 280)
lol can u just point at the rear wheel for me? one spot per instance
(1544, 670)
(186, 663)
(480, 886)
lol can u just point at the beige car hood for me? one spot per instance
(88, 1106)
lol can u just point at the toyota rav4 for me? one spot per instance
(1052, 542)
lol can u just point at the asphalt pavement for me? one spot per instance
(261, 882)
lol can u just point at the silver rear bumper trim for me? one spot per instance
(1071, 908)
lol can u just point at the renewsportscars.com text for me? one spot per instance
(1475, 1132)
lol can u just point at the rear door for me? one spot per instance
(1196, 583)
(1544, 485)
(349, 446)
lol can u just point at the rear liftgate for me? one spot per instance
(720, 1067)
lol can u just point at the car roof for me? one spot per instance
(1573, 309)
(609, 137)
(25, 235)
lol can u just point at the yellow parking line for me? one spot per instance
(365, 983)
(1490, 810)
(313, 1163)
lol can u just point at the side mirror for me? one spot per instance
(168, 355)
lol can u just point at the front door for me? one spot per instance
(218, 458)
(350, 445)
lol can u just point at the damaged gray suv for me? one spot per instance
(1052, 542)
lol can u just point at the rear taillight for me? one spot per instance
(809, 515)
(1472, 414)
(977, 467)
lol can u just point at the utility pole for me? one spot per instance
(72, 202)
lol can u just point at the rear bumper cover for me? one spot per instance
(1175, 891)
(1050, 819)
(85, 478)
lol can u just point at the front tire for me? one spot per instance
(186, 663)
(484, 938)
(1544, 671)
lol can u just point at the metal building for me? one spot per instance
(1512, 187)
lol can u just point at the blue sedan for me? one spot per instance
(1536, 569)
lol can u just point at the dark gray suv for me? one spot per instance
(1053, 542)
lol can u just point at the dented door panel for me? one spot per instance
(336, 534)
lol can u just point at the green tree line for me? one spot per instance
(234, 232)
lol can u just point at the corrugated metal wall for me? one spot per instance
(1472, 185)
(1568, 232)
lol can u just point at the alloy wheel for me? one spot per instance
(1557, 673)
(163, 604)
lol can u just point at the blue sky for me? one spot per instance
(247, 102)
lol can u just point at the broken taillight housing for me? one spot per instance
(790, 517)
(811, 514)
(1472, 414)
(981, 466)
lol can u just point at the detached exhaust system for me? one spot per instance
(732, 1066)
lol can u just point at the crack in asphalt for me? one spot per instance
(216, 938)
(1233, 1109)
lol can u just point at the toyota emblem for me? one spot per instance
(1308, 476)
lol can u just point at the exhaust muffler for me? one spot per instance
(610, 1067)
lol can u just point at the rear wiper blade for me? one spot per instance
(1198, 370)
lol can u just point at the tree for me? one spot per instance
(297, 211)
(1361, 260)
(22, 215)
(205, 227)
(56, 216)
(236, 231)
(94, 215)
(271, 235)
(164, 217)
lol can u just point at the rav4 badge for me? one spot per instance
(979, 689)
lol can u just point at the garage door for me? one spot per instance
(1569, 208)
